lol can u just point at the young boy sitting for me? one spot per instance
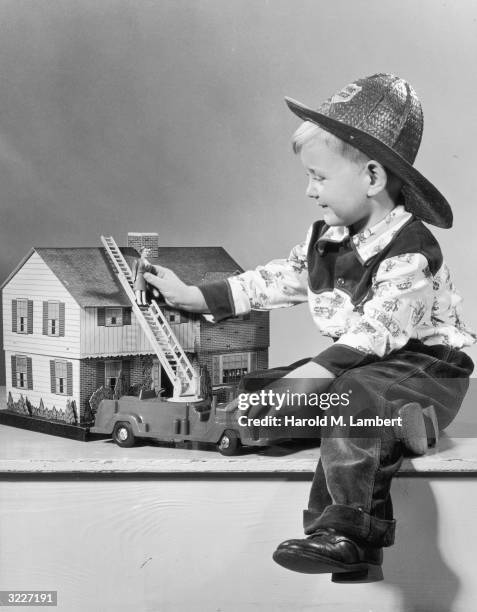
(376, 283)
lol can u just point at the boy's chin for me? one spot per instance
(331, 219)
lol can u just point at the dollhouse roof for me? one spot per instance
(195, 265)
(88, 276)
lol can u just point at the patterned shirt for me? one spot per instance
(371, 292)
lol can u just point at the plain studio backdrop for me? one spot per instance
(168, 115)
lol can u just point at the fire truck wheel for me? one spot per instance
(123, 434)
(229, 443)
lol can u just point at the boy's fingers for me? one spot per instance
(152, 279)
(159, 271)
(156, 270)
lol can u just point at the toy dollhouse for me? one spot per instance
(71, 326)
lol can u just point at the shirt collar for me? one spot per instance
(372, 240)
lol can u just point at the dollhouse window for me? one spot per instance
(21, 372)
(228, 368)
(234, 366)
(53, 318)
(22, 316)
(60, 377)
(114, 317)
(173, 316)
(112, 372)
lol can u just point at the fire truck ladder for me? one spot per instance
(171, 356)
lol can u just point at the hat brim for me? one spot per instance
(421, 197)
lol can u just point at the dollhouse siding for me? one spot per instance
(36, 282)
(187, 334)
(102, 341)
(41, 379)
(236, 335)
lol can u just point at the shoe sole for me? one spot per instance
(374, 574)
(311, 563)
(419, 429)
(432, 426)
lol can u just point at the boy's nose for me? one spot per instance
(312, 190)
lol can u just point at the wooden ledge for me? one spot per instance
(27, 452)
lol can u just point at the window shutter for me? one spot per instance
(216, 370)
(52, 376)
(126, 368)
(14, 316)
(100, 374)
(29, 373)
(69, 378)
(30, 317)
(101, 317)
(14, 370)
(45, 318)
(126, 316)
(62, 319)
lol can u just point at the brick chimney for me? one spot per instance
(144, 239)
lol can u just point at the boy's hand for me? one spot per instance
(175, 292)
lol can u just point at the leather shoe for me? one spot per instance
(419, 429)
(328, 551)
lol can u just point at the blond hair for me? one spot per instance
(308, 131)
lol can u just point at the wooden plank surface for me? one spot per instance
(24, 451)
(205, 545)
(31, 452)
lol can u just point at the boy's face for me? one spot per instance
(339, 185)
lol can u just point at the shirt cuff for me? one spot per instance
(339, 358)
(218, 298)
(240, 299)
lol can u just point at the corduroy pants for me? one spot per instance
(351, 486)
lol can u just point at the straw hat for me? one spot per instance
(381, 116)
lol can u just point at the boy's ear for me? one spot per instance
(377, 177)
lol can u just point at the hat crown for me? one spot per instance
(385, 107)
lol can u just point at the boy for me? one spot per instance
(375, 282)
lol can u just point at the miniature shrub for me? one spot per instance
(29, 406)
(97, 396)
(21, 406)
(70, 413)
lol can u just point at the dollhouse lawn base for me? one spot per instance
(53, 428)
